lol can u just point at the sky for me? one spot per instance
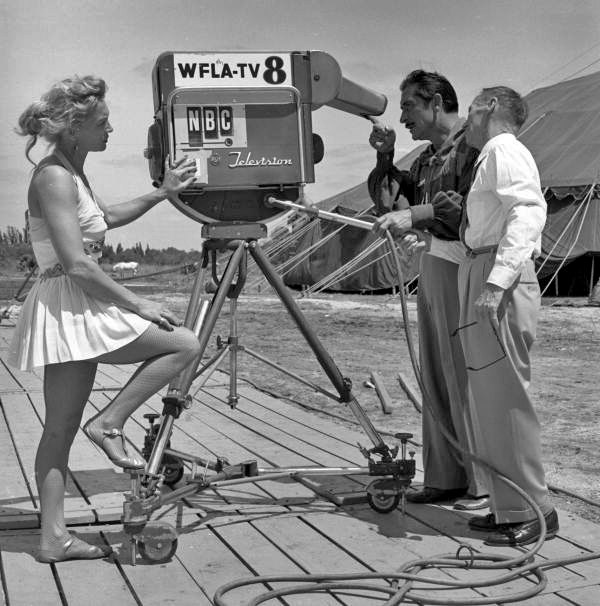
(524, 44)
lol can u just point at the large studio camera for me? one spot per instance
(245, 117)
(246, 120)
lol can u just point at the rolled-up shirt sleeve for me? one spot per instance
(422, 216)
(518, 189)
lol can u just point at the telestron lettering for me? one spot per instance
(248, 160)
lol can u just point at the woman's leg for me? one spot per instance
(67, 387)
(164, 354)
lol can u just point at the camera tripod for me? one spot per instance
(157, 541)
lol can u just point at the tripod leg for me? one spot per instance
(233, 398)
(342, 386)
(179, 387)
(194, 303)
(186, 377)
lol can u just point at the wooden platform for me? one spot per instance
(319, 525)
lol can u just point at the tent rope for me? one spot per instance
(284, 268)
(289, 264)
(540, 117)
(345, 270)
(562, 233)
(331, 277)
(282, 243)
(586, 203)
(584, 206)
(270, 252)
(410, 283)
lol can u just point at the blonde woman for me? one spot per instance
(76, 316)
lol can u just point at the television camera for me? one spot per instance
(246, 120)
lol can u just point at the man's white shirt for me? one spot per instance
(505, 207)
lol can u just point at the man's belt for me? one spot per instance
(475, 252)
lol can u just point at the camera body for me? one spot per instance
(245, 118)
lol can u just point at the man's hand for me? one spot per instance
(382, 138)
(486, 305)
(409, 242)
(419, 240)
(396, 222)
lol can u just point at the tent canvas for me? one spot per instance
(563, 131)
(563, 134)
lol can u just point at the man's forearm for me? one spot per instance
(422, 216)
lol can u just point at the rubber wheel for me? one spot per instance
(384, 503)
(157, 543)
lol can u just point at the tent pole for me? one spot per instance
(592, 276)
(556, 284)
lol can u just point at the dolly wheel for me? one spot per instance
(157, 543)
(383, 503)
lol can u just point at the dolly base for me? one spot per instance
(157, 541)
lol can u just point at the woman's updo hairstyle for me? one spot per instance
(66, 105)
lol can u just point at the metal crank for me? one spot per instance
(172, 466)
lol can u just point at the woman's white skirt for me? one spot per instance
(59, 322)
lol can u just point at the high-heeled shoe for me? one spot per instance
(73, 549)
(109, 441)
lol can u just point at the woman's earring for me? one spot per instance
(74, 134)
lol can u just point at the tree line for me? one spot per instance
(16, 252)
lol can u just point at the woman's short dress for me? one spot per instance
(59, 321)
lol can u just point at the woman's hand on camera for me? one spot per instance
(157, 313)
(179, 176)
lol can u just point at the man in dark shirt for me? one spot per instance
(434, 188)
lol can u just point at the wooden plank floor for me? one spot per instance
(275, 527)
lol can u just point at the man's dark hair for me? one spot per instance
(513, 106)
(430, 83)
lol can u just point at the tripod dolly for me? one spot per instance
(157, 541)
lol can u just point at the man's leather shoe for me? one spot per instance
(483, 523)
(524, 533)
(470, 503)
(434, 495)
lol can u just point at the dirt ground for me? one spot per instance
(365, 333)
